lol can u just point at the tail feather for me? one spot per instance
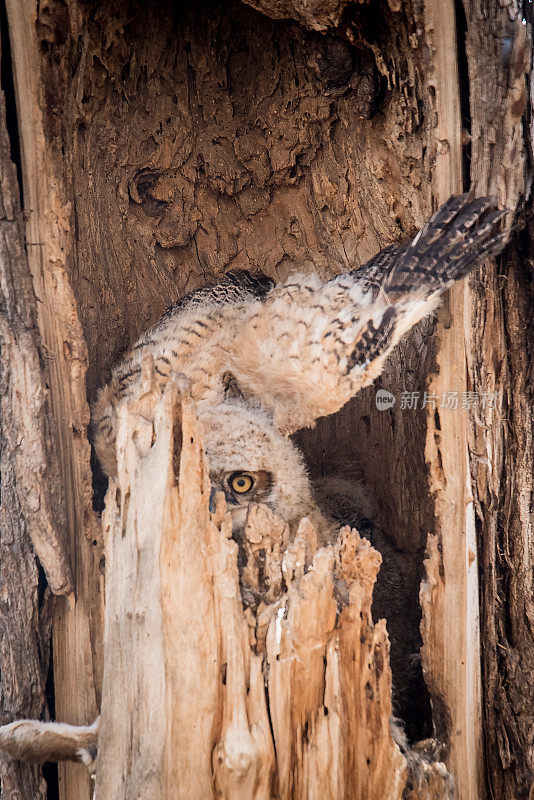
(457, 211)
(472, 255)
(459, 237)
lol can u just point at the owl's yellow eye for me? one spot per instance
(241, 482)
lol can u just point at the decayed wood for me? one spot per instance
(502, 461)
(286, 697)
(230, 140)
(500, 362)
(165, 174)
(494, 343)
(25, 399)
(24, 634)
(103, 158)
(315, 16)
(78, 627)
(449, 594)
(27, 487)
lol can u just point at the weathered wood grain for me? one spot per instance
(78, 626)
(449, 591)
(163, 144)
(195, 704)
(499, 350)
(26, 491)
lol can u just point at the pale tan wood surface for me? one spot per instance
(78, 627)
(203, 697)
(449, 594)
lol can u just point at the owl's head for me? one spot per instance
(251, 462)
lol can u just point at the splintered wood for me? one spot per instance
(266, 681)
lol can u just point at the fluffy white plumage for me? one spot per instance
(266, 360)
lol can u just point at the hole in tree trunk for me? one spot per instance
(255, 143)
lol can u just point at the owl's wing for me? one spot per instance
(310, 346)
(183, 341)
(232, 287)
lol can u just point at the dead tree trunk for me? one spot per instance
(294, 697)
(26, 616)
(163, 143)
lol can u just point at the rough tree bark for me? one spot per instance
(164, 143)
(27, 485)
(500, 359)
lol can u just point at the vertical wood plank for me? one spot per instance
(77, 629)
(449, 597)
(499, 346)
(25, 617)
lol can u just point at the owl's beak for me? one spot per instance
(212, 500)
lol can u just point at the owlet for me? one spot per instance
(265, 360)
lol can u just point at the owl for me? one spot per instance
(265, 360)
